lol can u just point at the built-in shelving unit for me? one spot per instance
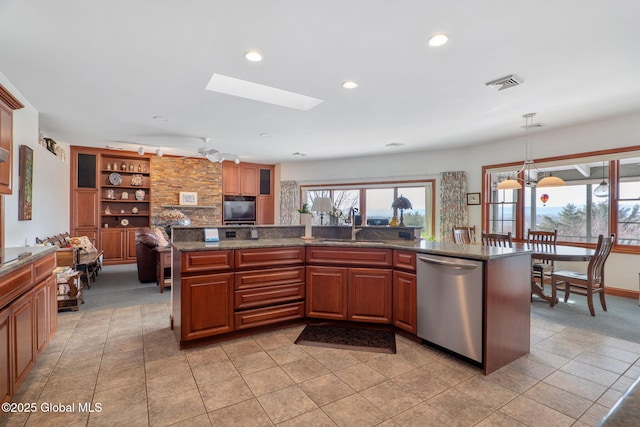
(124, 191)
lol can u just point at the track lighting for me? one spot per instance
(141, 150)
(159, 152)
(236, 160)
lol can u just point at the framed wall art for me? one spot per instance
(25, 191)
(188, 198)
(473, 198)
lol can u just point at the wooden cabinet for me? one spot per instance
(327, 292)
(203, 286)
(208, 300)
(8, 103)
(110, 191)
(336, 290)
(251, 180)
(5, 355)
(239, 180)
(119, 245)
(369, 295)
(269, 286)
(26, 320)
(24, 346)
(405, 304)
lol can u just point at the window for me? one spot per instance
(374, 203)
(577, 210)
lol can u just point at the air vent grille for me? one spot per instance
(504, 82)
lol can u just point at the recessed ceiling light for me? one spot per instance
(160, 118)
(350, 84)
(253, 56)
(438, 40)
(394, 144)
(265, 135)
(257, 92)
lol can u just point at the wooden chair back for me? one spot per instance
(464, 234)
(595, 270)
(587, 284)
(497, 240)
(543, 240)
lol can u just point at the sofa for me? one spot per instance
(146, 241)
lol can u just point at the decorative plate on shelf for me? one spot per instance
(124, 222)
(115, 178)
(137, 180)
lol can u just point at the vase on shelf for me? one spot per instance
(140, 194)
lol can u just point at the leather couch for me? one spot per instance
(146, 241)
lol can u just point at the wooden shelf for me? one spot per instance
(187, 207)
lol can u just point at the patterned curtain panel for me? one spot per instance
(453, 204)
(289, 203)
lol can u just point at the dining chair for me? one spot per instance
(541, 240)
(464, 234)
(589, 283)
(497, 239)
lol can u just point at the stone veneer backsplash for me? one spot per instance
(171, 175)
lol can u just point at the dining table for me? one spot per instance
(555, 253)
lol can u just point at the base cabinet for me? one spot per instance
(405, 301)
(24, 339)
(27, 319)
(119, 245)
(209, 299)
(369, 295)
(327, 292)
(5, 355)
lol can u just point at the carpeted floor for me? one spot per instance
(118, 286)
(621, 320)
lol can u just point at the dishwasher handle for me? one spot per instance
(454, 265)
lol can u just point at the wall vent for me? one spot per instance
(504, 82)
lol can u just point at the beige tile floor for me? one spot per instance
(127, 360)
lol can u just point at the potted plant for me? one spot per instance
(305, 219)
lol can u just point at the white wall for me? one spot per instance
(622, 269)
(50, 182)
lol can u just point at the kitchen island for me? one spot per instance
(224, 288)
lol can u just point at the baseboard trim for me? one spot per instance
(618, 292)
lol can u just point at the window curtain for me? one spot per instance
(289, 203)
(453, 204)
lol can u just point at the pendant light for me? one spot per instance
(602, 190)
(529, 167)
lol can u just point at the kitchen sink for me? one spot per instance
(359, 242)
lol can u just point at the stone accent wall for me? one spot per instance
(171, 175)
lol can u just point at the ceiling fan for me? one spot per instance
(212, 154)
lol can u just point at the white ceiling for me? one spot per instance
(99, 71)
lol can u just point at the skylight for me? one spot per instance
(262, 93)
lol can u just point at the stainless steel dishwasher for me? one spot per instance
(450, 304)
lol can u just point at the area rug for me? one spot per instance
(348, 338)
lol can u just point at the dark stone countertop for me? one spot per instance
(420, 246)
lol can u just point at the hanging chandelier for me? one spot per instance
(529, 168)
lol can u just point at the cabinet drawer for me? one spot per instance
(266, 257)
(44, 267)
(350, 256)
(269, 295)
(276, 276)
(405, 260)
(268, 315)
(197, 262)
(15, 283)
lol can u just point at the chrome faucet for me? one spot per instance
(352, 216)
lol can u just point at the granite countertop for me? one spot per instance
(13, 258)
(420, 246)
